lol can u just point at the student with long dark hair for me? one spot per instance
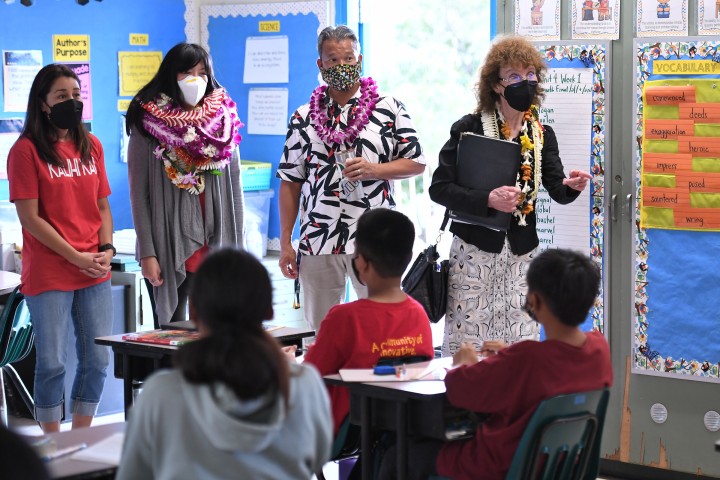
(57, 180)
(234, 407)
(184, 174)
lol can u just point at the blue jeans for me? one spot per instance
(89, 311)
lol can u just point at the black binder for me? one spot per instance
(485, 163)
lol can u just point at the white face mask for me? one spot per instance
(192, 89)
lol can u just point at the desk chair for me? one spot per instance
(347, 441)
(16, 342)
(562, 439)
(346, 444)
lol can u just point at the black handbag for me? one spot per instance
(427, 279)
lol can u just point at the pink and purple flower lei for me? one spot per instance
(362, 113)
(194, 142)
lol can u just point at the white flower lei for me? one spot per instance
(490, 129)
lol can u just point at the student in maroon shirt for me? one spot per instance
(513, 380)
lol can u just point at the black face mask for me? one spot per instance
(355, 271)
(67, 114)
(520, 95)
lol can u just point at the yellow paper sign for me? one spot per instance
(71, 48)
(136, 69)
(685, 67)
(139, 39)
(123, 105)
(269, 26)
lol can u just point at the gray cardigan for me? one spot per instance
(169, 222)
(180, 430)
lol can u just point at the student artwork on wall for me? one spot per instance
(661, 17)
(538, 19)
(677, 211)
(575, 107)
(595, 19)
(708, 17)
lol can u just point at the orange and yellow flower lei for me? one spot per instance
(529, 177)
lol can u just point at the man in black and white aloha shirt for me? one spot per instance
(349, 115)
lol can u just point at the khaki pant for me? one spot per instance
(323, 279)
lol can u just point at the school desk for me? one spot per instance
(69, 468)
(414, 408)
(135, 361)
(8, 281)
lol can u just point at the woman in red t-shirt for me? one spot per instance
(57, 180)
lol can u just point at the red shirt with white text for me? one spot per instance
(68, 200)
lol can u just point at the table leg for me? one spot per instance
(402, 440)
(3, 401)
(127, 383)
(365, 436)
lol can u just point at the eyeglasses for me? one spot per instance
(515, 78)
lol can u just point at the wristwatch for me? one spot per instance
(107, 246)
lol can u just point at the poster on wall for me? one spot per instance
(661, 17)
(225, 30)
(677, 211)
(708, 17)
(71, 48)
(10, 129)
(267, 111)
(538, 19)
(574, 107)
(595, 19)
(136, 69)
(19, 70)
(82, 70)
(267, 59)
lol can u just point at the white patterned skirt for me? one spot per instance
(486, 292)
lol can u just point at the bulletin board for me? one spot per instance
(228, 31)
(108, 27)
(677, 210)
(575, 106)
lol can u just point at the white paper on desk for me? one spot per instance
(105, 451)
(418, 371)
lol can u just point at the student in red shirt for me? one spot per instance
(57, 178)
(388, 324)
(513, 380)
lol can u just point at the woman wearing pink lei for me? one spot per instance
(184, 174)
(329, 189)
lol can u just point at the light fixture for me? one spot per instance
(9, 1)
(27, 3)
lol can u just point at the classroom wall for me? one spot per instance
(108, 23)
(634, 445)
(192, 12)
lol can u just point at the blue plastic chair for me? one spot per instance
(16, 342)
(562, 439)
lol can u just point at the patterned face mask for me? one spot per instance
(341, 77)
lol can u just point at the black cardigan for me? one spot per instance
(445, 191)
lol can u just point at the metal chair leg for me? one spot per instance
(20, 386)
